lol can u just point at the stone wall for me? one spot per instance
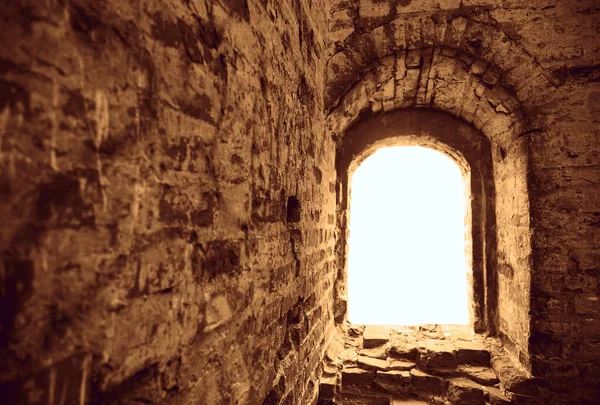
(167, 201)
(167, 184)
(526, 75)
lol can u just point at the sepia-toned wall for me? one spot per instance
(526, 75)
(148, 153)
(168, 217)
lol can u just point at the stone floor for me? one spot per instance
(378, 365)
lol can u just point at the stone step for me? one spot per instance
(441, 353)
(422, 382)
(327, 388)
(465, 392)
(481, 375)
(357, 376)
(397, 382)
(374, 336)
(407, 402)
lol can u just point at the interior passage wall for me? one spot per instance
(167, 201)
(545, 54)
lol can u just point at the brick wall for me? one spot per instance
(526, 75)
(167, 201)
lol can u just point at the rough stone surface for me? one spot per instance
(166, 214)
(370, 363)
(357, 376)
(374, 336)
(327, 387)
(424, 383)
(393, 381)
(465, 392)
(400, 365)
(526, 68)
(481, 375)
(472, 353)
(173, 190)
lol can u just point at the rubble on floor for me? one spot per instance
(427, 365)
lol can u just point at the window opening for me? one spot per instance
(407, 261)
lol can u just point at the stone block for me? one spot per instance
(438, 354)
(379, 352)
(393, 381)
(413, 59)
(369, 363)
(496, 397)
(357, 376)
(408, 402)
(479, 67)
(404, 350)
(425, 383)
(374, 8)
(465, 392)
(400, 365)
(588, 304)
(512, 378)
(481, 375)
(374, 336)
(330, 370)
(327, 387)
(472, 353)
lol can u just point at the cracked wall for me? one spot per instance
(526, 75)
(149, 151)
(167, 183)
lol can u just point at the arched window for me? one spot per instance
(408, 246)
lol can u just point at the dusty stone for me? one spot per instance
(369, 363)
(327, 387)
(438, 354)
(374, 336)
(357, 376)
(379, 352)
(400, 365)
(463, 391)
(425, 383)
(174, 201)
(393, 381)
(404, 350)
(472, 353)
(481, 375)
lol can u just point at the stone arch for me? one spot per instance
(470, 33)
(441, 79)
(470, 151)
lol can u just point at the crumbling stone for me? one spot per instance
(422, 382)
(393, 381)
(374, 336)
(472, 353)
(327, 387)
(481, 375)
(357, 376)
(173, 179)
(464, 391)
(370, 363)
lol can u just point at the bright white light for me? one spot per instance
(406, 254)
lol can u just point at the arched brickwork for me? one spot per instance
(472, 153)
(357, 39)
(443, 79)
